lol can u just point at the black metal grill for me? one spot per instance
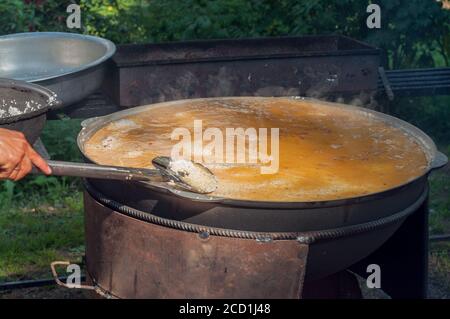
(417, 82)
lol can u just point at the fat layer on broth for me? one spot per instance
(325, 152)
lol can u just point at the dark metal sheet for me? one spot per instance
(134, 259)
(313, 66)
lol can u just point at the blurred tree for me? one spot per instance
(13, 16)
(32, 15)
(121, 21)
(415, 33)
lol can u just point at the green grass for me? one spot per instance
(439, 266)
(439, 223)
(33, 236)
(41, 218)
(439, 218)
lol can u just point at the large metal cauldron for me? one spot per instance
(338, 232)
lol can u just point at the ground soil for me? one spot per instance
(435, 291)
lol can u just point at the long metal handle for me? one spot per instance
(60, 168)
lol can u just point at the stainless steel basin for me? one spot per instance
(71, 65)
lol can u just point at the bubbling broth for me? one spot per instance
(325, 152)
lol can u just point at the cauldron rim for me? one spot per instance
(435, 158)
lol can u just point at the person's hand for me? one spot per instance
(17, 157)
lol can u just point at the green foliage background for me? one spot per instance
(414, 32)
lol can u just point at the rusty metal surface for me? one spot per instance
(333, 252)
(313, 66)
(133, 259)
(342, 285)
(96, 104)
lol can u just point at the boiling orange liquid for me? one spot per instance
(325, 152)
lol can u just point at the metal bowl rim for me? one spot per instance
(90, 126)
(109, 46)
(8, 83)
